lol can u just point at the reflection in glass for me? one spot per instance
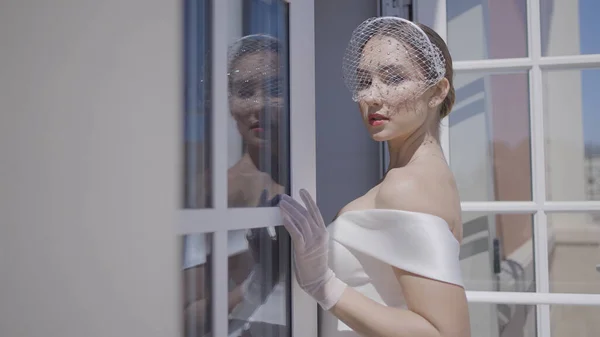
(258, 102)
(196, 249)
(259, 269)
(259, 289)
(197, 107)
(259, 285)
(497, 252)
(574, 252)
(483, 29)
(502, 320)
(580, 321)
(569, 27)
(571, 122)
(489, 129)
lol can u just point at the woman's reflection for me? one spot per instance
(257, 103)
(257, 297)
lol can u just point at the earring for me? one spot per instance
(431, 104)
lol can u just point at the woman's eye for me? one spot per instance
(246, 92)
(363, 79)
(364, 83)
(394, 79)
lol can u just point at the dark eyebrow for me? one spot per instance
(390, 68)
(361, 70)
(393, 68)
(254, 80)
(248, 80)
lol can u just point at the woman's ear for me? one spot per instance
(440, 92)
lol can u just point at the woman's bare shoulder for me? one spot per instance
(422, 189)
(403, 189)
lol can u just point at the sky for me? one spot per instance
(590, 44)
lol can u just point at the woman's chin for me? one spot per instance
(381, 136)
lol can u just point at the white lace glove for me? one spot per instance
(311, 249)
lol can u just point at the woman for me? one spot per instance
(389, 264)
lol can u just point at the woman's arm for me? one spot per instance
(435, 309)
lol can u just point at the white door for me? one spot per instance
(249, 127)
(523, 145)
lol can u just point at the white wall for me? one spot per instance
(564, 118)
(563, 108)
(89, 115)
(470, 150)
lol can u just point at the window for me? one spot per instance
(239, 152)
(521, 141)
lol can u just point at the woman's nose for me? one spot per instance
(372, 97)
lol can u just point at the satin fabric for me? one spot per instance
(365, 244)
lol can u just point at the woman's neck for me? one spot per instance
(424, 141)
(256, 156)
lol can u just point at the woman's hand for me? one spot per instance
(311, 247)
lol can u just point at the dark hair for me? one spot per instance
(253, 44)
(249, 45)
(437, 40)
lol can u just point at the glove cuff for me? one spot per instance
(333, 289)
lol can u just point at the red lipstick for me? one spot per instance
(255, 127)
(376, 119)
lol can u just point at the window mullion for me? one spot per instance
(540, 228)
(218, 116)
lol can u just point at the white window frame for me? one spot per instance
(433, 14)
(220, 219)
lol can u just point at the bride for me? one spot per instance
(389, 263)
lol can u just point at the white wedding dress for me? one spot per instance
(366, 243)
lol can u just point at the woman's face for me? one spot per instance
(256, 97)
(391, 92)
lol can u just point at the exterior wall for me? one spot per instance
(90, 185)
(563, 108)
(470, 156)
(564, 124)
(348, 161)
(509, 96)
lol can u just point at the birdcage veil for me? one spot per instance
(392, 52)
(257, 73)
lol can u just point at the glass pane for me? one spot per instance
(502, 320)
(571, 321)
(490, 137)
(569, 27)
(196, 279)
(197, 107)
(483, 29)
(497, 252)
(259, 282)
(572, 141)
(574, 252)
(258, 102)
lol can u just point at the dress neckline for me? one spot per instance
(403, 212)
